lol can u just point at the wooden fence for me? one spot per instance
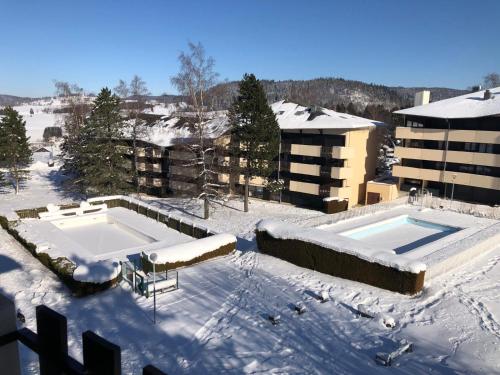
(100, 356)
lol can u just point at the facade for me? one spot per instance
(324, 154)
(152, 167)
(452, 147)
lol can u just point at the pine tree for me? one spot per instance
(15, 153)
(100, 161)
(255, 131)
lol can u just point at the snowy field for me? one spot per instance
(217, 321)
(42, 117)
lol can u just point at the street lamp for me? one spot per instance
(453, 176)
(153, 257)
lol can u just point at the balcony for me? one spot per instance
(256, 181)
(462, 157)
(341, 173)
(459, 178)
(305, 150)
(341, 152)
(181, 155)
(183, 171)
(477, 136)
(307, 169)
(304, 187)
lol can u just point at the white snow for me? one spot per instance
(465, 106)
(97, 272)
(294, 116)
(189, 250)
(217, 321)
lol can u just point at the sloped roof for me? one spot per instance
(470, 105)
(294, 116)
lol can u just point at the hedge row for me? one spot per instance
(32, 213)
(347, 266)
(62, 267)
(189, 229)
(147, 266)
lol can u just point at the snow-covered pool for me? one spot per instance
(102, 233)
(401, 233)
(113, 234)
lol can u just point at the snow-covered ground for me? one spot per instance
(42, 117)
(217, 321)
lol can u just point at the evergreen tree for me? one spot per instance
(255, 131)
(100, 161)
(15, 153)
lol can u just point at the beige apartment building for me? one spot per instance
(452, 147)
(324, 154)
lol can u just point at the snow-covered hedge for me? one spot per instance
(336, 255)
(188, 253)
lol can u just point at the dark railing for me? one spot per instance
(51, 343)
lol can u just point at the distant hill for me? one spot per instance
(14, 100)
(325, 92)
(328, 92)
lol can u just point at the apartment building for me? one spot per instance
(324, 154)
(152, 167)
(452, 147)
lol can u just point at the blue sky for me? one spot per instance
(95, 43)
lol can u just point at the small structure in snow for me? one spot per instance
(274, 318)
(365, 312)
(324, 296)
(387, 321)
(300, 308)
(386, 359)
(384, 319)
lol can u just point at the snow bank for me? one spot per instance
(187, 251)
(341, 244)
(98, 272)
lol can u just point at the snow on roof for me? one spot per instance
(170, 130)
(465, 106)
(294, 116)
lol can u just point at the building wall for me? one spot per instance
(386, 191)
(462, 155)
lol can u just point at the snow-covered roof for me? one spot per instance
(294, 116)
(170, 130)
(465, 106)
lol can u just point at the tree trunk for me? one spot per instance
(136, 173)
(206, 207)
(247, 182)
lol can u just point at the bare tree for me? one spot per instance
(139, 91)
(195, 78)
(122, 89)
(491, 80)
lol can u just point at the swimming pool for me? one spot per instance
(401, 233)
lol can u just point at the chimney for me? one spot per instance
(487, 95)
(422, 97)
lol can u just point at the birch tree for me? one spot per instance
(194, 80)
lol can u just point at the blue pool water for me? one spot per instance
(402, 233)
